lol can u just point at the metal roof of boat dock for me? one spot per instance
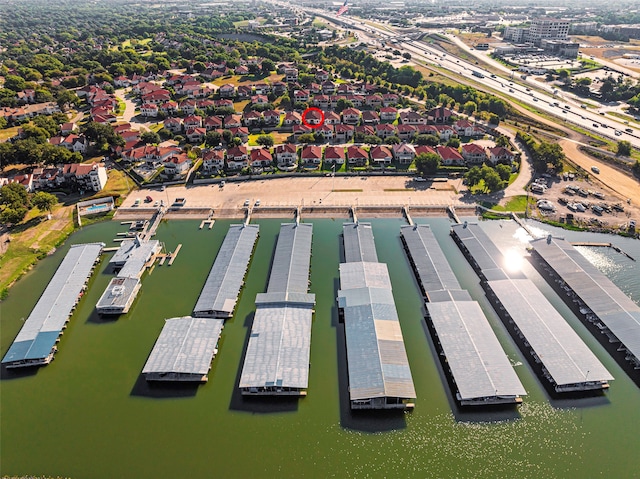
(616, 310)
(138, 257)
(474, 355)
(222, 287)
(565, 356)
(290, 269)
(430, 263)
(48, 317)
(280, 340)
(376, 357)
(119, 293)
(186, 345)
(358, 243)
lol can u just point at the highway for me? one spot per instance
(545, 98)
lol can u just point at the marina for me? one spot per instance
(606, 310)
(276, 362)
(220, 292)
(36, 343)
(378, 367)
(184, 350)
(552, 347)
(477, 364)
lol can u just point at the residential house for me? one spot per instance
(237, 157)
(301, 96)
(188, 107)
(314, 117)
(196, 135)
(259, 100)
(252, 118)
(156, 97)
(169, 108)
(500, 154)
(322, 101)
(381, 155)
(271, 117)
(262, 88)
(72, 142)
(445, 132)
(67, 128)
(299, 130)
(244, 91)
(176, 165)
(390, 99)
(351, 116)
(227, 90)
(241, 132)
(440, 114)
(223, 103)
(374, 101)
(357, 156)
(292, 118)
(406, 132)
(334, 154)
(149, 110)
(328, 87)
(424, 149)
(46, 178)
(212, 161)
(450, 156)
(370, 117)
(174, 125)
(25, 180)
(385, 130)
(344, 133)
(212, 123)
(474, 154)
(412, 118)
(192, 121)
(327, 132)
(241, 70)
(311, 156)
(260, 158)
(466, 128)
(366, 130)
(85, 176)
(291, 74)
(286, 156)
(232, 121)
(388, 113)
(322, 75)
(314, 88)
(279, 88)
(404, 153)
(331, 118)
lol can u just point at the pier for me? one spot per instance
(522, 225)
(405, 212)
(155, 222)
(605, 245)
(451, 211)
(354, 216)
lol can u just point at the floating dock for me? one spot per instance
(132, 258)
(277, 358)
(36, 343)
(378, 368)
(555, 350)
(469, 349)
(184, 350)
(222, 287)
(594, 298)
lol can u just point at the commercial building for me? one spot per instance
(36, 343)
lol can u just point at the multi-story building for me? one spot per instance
(548, 29)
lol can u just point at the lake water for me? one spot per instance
(89, 414)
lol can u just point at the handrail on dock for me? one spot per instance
(609, 245)
(451, 211)
(354, 215)
(405, 211)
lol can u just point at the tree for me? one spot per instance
(14, 195)
(474, 175)
(624, 148)
(407, 55)
(343, 104)
(372, 140)
(307, 138)
(494, 119)
(427, 163)
(66, 98)
(101, 134)
(150, 137)
(265, 140)
(13, 215)
(213, 138)
(268, 66)
(470, 107)
(504, 171)
(502, 140)
(165, 134)
(431, 140)
(392, 140)
(44, 201)
(454, 142)
(492, 180)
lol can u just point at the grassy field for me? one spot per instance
(517, 203)
(278, 138)
(236, 80)
(31, 240)
(8, 133)
(118, 185)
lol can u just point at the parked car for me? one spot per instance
(148, 199)
(595, 169)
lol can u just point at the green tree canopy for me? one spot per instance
(44, 201)
(427, 163)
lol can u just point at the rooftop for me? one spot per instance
(359, 244)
